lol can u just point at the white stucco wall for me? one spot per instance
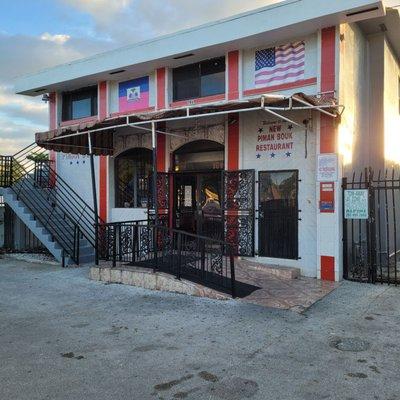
(354, 142)
(391, 107)
(249, 125)
(75, 170)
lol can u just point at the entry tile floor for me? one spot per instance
(283, 293)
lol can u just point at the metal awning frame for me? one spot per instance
(273, 110)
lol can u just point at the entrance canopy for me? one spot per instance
(75, 138)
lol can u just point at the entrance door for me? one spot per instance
(185, 202)
(209, 211)
(278, 214)
(197, 200)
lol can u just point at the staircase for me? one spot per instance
(48, 206)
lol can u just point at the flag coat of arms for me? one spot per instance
(279, 65)
(134, 94)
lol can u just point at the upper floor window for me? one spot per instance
(202, 79)
(79, 103)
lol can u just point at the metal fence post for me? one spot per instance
(344, 222)
(179, 255)
(134, 241)
(372, 228)
(232, 265)
(203, 257)
(114, 255)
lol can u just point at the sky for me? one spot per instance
(43, 33)
(35, 34)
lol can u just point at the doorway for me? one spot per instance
(198, 188)
(278, 214)
(197, 203)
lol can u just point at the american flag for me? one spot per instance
(278, 65)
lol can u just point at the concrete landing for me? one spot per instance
(276, 270)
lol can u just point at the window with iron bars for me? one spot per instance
(132, 170)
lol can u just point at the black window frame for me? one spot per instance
(69, 97)
(197, 71)
(132, 183)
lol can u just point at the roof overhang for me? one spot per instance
(389, 25)
(74, 139)
(278, 22)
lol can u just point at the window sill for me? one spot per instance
(79, 121)
(132, 112)
(200, 100)
(285, 86)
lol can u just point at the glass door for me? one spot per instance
(185, 204)
(278, 214)
(209, 210)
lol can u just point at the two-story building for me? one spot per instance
(253, 121)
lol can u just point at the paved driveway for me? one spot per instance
(65, 337)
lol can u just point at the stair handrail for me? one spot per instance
(58, 232)
(71, 205)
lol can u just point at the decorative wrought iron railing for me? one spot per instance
(53, 202)
(207, 261)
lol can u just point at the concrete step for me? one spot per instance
(276, 270)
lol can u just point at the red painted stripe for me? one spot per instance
(328, 83)
(328, 55)
(281, 77)
(284, 86)
(53, 125)
(52, 111)
(288, 59)
(327, 134)
(328, 268)
(281, 69)
(295, 50)
(161, 81)
(161, 154)
(103, 177)
(103, 112)
(78, 121)
(233, 75)
(233, 142)
(200, 100)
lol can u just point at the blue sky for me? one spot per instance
(42, 33)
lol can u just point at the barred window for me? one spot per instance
(132, 170)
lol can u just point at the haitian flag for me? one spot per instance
(134, 94)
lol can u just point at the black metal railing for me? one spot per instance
(6, 171)
(51, 200)
(371, 242)
(207, 261)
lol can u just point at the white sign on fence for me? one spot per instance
(356, 204)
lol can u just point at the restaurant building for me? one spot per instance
(252, 122)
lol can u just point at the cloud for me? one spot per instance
(59, 39)
(22, 116)
(129, 21)
(103, 11)
(22, 108)
(116, 23)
